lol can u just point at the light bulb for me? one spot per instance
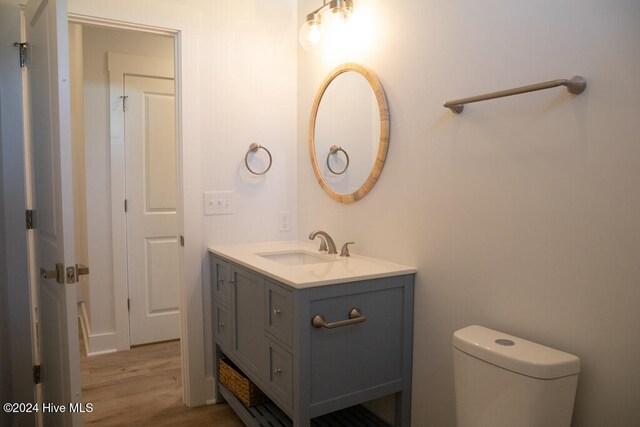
(341, 10)
(311, 34)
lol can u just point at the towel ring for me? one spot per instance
(252, 149)
(334, 150)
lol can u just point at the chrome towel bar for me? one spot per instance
(574, 85)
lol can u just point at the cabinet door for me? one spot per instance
(280, 374)
(248, 311)
(220, 280)
(278, 312)
(222, 326)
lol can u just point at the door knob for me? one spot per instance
(57, 274)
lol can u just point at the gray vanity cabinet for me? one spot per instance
(265, 328)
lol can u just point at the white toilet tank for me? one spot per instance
(505, 381)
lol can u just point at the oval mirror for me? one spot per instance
(349, 132)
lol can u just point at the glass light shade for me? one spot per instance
(341, 9)
(341, 14)
(310, 36)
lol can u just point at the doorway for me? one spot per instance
(125, 182)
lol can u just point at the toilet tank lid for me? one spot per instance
(515, 354)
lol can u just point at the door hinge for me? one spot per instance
(23, 53)
(36, 374)
(29, 214)
(124, 102)
(128, 304)
(125, 205)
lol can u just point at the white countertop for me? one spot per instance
(339, 270)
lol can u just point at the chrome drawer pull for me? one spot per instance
(355, 316)
(277, 371)
(277, 312)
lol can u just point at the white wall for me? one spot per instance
(249, 95)
(185, 19)
(238, 65)
(520, 214)
(96, 43)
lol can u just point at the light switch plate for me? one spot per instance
(218, 203)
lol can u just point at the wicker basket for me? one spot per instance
(239, 385)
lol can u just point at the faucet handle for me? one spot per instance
(345, 249)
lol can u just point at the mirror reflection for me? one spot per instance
(349, 132)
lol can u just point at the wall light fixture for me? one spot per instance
(311, 33)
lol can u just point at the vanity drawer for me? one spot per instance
(358, 356)
(278, 311)
(220, 277)
(222, 326)
(280, 374)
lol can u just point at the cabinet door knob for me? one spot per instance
(222, 324)
(277, 312)
(220, 279)
(277, 371)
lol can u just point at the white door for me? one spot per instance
(151, 184)
(53, 193)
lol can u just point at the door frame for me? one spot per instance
(119, 65)
(183, 23)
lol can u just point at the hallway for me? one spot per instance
(143, 386)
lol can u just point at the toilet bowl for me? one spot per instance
(506, 381)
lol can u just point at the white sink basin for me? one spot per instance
(297, 257)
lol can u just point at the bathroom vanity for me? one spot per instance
(316, 333)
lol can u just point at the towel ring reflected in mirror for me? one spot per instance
(334, 150)
(253, 148)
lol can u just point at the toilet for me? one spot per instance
(506, 381)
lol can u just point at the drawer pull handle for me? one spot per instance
(220, 280)
(355, 316)
(277, 371)
(222, 324)
(277, 312)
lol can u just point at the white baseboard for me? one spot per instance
(95, 344)
(210, 398)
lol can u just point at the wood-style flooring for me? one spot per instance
(143, 387)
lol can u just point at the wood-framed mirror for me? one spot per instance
(349, 132)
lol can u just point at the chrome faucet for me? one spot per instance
(327, 242)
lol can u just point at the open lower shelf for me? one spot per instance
(269, 415)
